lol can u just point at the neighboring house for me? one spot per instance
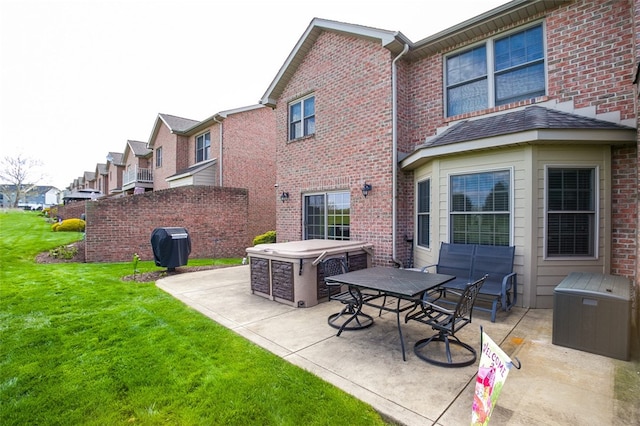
(138, 174)
(102, 180)
(232, 148)
(78, 183)
(170, 147)
(115, 170)
(87, 194)
(90, 180)
(517, 127)
(31, 196)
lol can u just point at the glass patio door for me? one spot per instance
(327, 216)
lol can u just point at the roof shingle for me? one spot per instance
(531, 118)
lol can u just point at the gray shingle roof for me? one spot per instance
(531, 118)
(116, 158)
(178, 124)
(101, 168)
(139, 148)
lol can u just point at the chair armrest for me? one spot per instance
(425, 268)
(509, 282)
(437, 308)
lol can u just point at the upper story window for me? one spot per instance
(499, 71)
(480, 210)
(158, 157)
(203, 147)
(424, 213)
(571, 212)
(302, 117)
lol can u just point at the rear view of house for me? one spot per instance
(517, 127)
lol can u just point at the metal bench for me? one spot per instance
(470, 262)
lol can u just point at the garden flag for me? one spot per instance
(492, 373)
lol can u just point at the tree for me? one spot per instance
(18, 175)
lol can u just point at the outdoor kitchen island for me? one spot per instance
(288, 272)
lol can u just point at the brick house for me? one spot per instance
(115, 167)
(102, 180)
(517, 127)
(169, 147)
(90, 180)
(137, 176)
(233, 149)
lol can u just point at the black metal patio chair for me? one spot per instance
(350, 317)
(447, 322)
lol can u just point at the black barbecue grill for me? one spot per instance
(171, 247)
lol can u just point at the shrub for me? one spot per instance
(63, 252)
(266, 238)
(69, 225)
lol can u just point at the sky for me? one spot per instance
(78, 78)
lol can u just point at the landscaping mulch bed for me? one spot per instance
(79, 257)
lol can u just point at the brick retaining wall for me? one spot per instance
(215, 217)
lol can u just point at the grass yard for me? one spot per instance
(81, 346)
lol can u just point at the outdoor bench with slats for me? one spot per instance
(469, 262)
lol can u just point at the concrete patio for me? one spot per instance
(556, 385)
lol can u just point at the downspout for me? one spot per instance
(220, 155)
(394, 136)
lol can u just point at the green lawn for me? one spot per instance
(81, 346)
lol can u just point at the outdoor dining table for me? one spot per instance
(403, 284)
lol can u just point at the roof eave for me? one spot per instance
(217, 118)
(392, 40)
(423, 155)
(490, 21)
(154, 131)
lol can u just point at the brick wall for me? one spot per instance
(624, 211)
(73, 210)
(592, 64)
(216, 219)
(248, 161)
(351, 80)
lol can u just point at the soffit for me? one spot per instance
(486, 23)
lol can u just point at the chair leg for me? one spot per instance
(448, 340)
(494, 309)
(350, 314)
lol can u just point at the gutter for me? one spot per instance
(220, 156)
(394, 160)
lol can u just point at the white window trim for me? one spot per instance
(416, 235)
(596, 231)
(196, 146)
(489, 42)
(326, 214)
(511, 197)
(302, 116)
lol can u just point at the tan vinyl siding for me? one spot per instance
(440, 170)
(549, 272)
(537, 276)
(185, 181)
(205, 177)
